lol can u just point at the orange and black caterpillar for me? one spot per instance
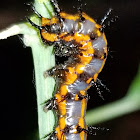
(81, 39)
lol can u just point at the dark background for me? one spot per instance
(18, 117)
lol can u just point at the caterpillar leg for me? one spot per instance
(56, 72)
(51, 136)
(50, 105)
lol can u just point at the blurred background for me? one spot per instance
(18, 119)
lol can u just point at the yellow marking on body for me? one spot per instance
(49, 36)
(104, 37)
(82, 92)
(76, 17)
(76, 97)
(89, 80)
(63, 90)
(79, 68)
(62, 34)
(59, 134)
(83, 108)
(58, 97)
(45, 21)
(80, 37)
(68, 16)
(68, 38)
(61, 103)
(102, 57)
(85, 133)
(87, 87)
(105, 49)
(98, 33)
(95, 77)
(62, 123)
(75, 129)
(71, 76)
(85, 60)
(54, 20)
(97, 26)
(86, 51)
(82, 135)
(81, 124)
(62, 107)
(87, 17)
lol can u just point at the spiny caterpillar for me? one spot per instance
(83, 41)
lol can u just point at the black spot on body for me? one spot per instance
(84, 76)
(63, 19)
(67, 70)
(105, 55)
(81, 97)
(66, 129)
(92, 36)
(95, 56)
(82, 18)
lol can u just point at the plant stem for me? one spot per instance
(110, 111)
(43, 60)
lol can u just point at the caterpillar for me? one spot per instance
(83, 41)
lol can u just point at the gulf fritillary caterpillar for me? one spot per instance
(81, 39)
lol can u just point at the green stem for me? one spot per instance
(44, 87)
(43, 60)
(110, 111)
